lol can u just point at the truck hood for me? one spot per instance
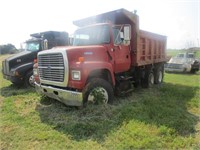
(90, 53)
(21, 58)
(71, 48)
(92, 47)
(176, 60)
(18, 55)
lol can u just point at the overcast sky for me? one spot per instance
(179, 20)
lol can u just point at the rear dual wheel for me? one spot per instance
(153, 77)
(148, 80)
(159, 74)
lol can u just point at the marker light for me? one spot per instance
(81, 59)
(35, 61)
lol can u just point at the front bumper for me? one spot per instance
(67, 97)
(174, 70)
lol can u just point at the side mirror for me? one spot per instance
(45, 44)
(127, 32)
(71, 40)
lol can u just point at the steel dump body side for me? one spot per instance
(150, 49)
(145, 47)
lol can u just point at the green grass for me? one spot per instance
(161, 117)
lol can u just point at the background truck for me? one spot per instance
(19, 68)
(109, 56)
(183, 62)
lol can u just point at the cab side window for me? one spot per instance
(116, 34)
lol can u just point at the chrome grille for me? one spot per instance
(51, 67)
(175, 66)
(5, 67)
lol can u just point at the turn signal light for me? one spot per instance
(35, 61)
(16, 73)
(81, 59)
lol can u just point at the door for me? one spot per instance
(121, 52)
(122, 58)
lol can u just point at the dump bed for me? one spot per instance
(146, 47)
(150, 49)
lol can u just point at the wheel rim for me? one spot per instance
(31, 80)
(160, 76)
(151, 78)
(98, 95)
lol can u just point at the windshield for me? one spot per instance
(190, 56)
(92, 36)
(32, 46)
(180, 56)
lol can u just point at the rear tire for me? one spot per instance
(148, 80)
(98, 91)
(159, 74)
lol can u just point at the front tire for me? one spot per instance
(98, 91)
(29, 79)
(193, 71)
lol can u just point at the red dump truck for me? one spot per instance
(110, 55)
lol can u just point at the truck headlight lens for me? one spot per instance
(14, 73)
(76, 75)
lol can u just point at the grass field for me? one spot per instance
(161, 117)
(172, 52)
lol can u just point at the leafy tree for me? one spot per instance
(7, 49)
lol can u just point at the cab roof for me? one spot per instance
(47, 33)
(120, 16)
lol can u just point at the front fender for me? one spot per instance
(187, 67)
(98, 66)
(86, 68)
(22, 69)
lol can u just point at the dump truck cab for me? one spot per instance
(111, 38)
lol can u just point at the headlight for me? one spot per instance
(76, 75)
(14, 73)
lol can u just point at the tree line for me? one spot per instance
(7, 49)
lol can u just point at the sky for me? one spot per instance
(179, 20)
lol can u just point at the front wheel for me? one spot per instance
(98, 91)
(193, 71)
(29, 79)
